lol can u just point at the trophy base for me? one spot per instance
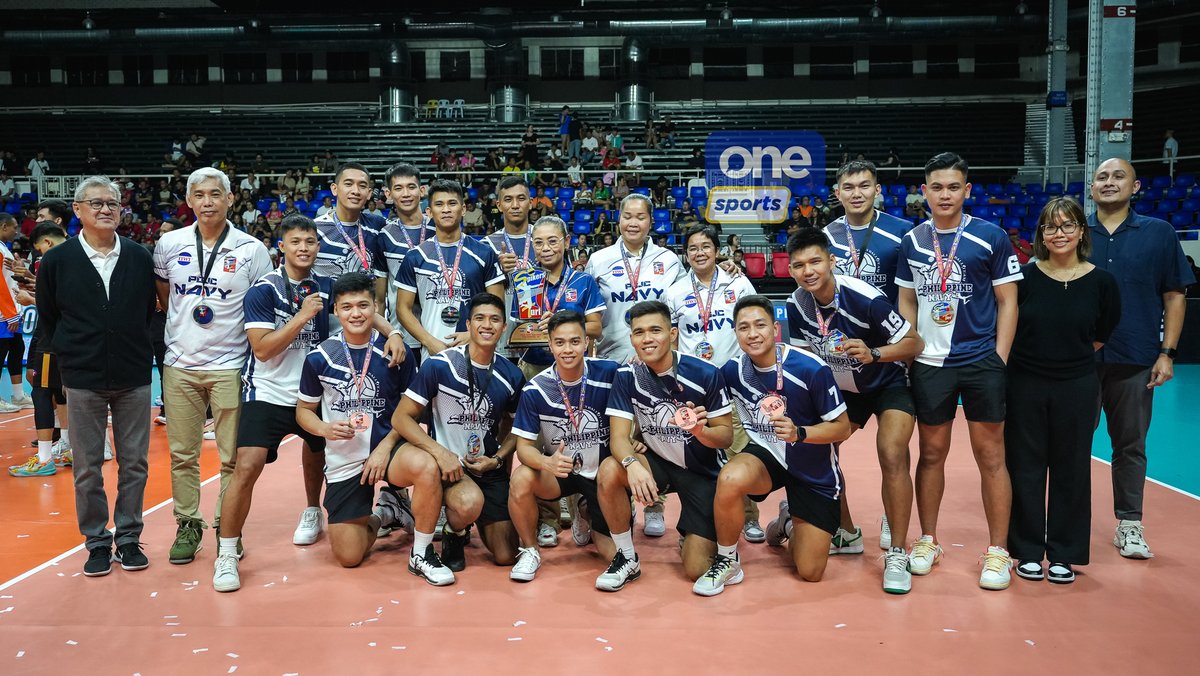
(528, 335)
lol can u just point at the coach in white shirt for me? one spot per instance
(203, 274)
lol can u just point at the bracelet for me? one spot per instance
(395, 332)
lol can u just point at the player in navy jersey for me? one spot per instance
(563, 406)
(349, 236)
(859, 334)
(287, 315)
(443, 274)
(957, 277)
(406, 229)
(790, 406)
(513, 244)
(865, 240)
(680, 404)
(347, 390)
(464, 464)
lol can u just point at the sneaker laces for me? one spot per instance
(528, 558)
(895, 562)
(189, 533)
(996, 562)
(31, 464)
(619, 562)
(924, 549)
(309, 518)
(719, 565)
(226, 564)
(428, 560)
(1132, 534)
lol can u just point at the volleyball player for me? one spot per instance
(792, 411)
(350, 239)
(472, 393)
(850, 325)
(513, 244)
(680, 403)
(407, 229)
(957, 278)
(444, 273)
(347, 378)
(564, 406)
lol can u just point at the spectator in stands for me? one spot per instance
(529, 173)
(660, 192)
(666, 133)
(303, 185)
(696, 161)
(621, 191)
(1170, 147)
(512, 166)
(176, 153)
(163, 198)
(607, 239)
(1020, 246)
(601, 194)
(615, 140)
(167, 163)
(542, 202)
(492, 162)
(194, 150)
(238, 222)
(529, 145)
(91, 161)
(535, 213)
(274, 215)
(633, 166)
(228, 165)
(285, 185)
(575, 172)
(878, 195)
(739, 259)
(564, 127)
(584, 197)
(329, 163)
(38, 166)
(588, 145)
(806, 208)
(892, 164)
(577, 256)
(603, 226)
(466, 169)
(650, 134)
(914, 204)
(183, 213)
(685, 212)
(29, 220)
(575, 137)
(663, 241)
(314, 165)
(252, 184)
(289, 208)
(733, 244)
(375, 207)
(8, 189)
(326, 207)
(822, 214)
(492, 213)
(260, 165)
(473, 221)
(612, 162)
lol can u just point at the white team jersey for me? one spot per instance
(270, 304)
(659, 270)
(221, 343)
(685, 315)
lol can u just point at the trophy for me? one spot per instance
(528, 287)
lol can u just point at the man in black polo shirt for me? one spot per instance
(1144, 255)
(95, 299)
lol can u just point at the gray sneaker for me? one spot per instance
(753, 532)
(654, 526)
(547, 536)
(1131, 540)
(581, 527)
(724, 570)
(896, 578)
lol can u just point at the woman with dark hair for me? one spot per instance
(732, 243)
(1067, 308)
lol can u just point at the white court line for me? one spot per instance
(1156, 481)
(4, 422)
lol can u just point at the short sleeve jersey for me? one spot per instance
(396, 240)
(959, 323)
(206, 316)
(652, 400)
(811, 396)
(464, 418)
(330, 380)
(522, 246)
(877, 265)
(718, 332)
(270, 304)
(541, 411)
(337, 257)
(578, 291)
(657, 269)
(863, 313)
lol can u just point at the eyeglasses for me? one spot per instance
(706, 248)
(550, 243)
(1067, 228)
(98, 205)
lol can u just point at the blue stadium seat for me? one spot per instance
(1185, 181)
(566, 194)
(301, 205)
(1160, 182)
(641, 190)
(1034, 188)
(563, 204)
(1176, 193)
(1190, 235)
(821, 191)
(1167, 205)
(1012, 222)
(1145, 206)
(679, 193)
(673, 240)
(1182, 220)
(1054, 189)
(264, 204)
(13, 208)
(473, 194)
(981, 212)
(662, 215)
(582, 228)
(698, 193)
(662, 227)
(551, 191)
(1192, 204)
(891, 201)
(898, 190)
(321, 195)
(898, 212)
(999, 210)
(700, 206)
(995, 189)
(1013, 190)
(583, 216)
(29, 197)
(1025, 199)
(1075, 187)
(781, 238)
(564, 214)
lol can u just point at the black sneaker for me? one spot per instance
(1060, 573)
(99, 562)
(430, 567)
(454, 548)
(131, 557)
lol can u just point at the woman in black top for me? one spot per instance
(1067, 308)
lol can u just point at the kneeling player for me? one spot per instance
(793, 412)
(680, 403)
(566, 404)
(348, 378)
(472, 393)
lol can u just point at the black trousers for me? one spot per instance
(1049, 433)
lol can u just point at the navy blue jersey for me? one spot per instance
(336, 256)
(863, 312)
(396, 240)
(652, 400)
(541, 411)
(877, 266)
(580, 293)
(269, 305)
(959, 324)
(329, 380)
(464, 421)
(811, 396)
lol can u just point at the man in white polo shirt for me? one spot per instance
(204, 271)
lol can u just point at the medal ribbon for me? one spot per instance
(477, 396)
(705, 309)
(512, 248)
(567, 400)
(822, 325)
(674, 376)
(858, 262)
(407, 239)
(453, 274)
(360, 379)
(563, 283)
(359, 249)
(945, 267)
(215, 250)
(633, 276)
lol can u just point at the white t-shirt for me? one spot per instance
(685, 314)
(221, 342)
(7, 188)
(249, 216)
(38, 168)
(659, 269)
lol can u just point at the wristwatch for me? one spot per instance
(395, 332)
(875, 355)
(1169, 351)
(629, 460)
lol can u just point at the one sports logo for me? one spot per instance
(752, 175)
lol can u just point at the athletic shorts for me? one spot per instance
(43, 372)
(696, 494)
(348, 500)
(804, 503)
(981, 385)
(494, 486)
(585, 488)
(264, 425)
(860, 406)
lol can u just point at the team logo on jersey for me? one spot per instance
(690, 301)
(349, 398)
(591, 433)
(662, 422)
(229, 264)
(472, 416)
(659, 268)
(618, 269)
(184, 258)
(572, 296)
(930, 286)
(730, 296)
(942, 313)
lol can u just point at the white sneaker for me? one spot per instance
(160, 420)
(845, 542)
(620, 571)
(896, 578)
(581, 527)
(312, 522)
(654, 526)
(925, 553)
(430, 567)
(885, 535)
(547, 536)
(22, 402)
(108, 452)
(225, 575)
(996, 566)
(1131, 541)
(724, 570)
(7, 407)
(528, 562)
(210, 436)
(753, 532)
(564, 512)
(777, 528)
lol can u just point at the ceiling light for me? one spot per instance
(875, 11)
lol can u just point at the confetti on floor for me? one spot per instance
(955, 545)
(197, 651)
(232, 669)
(372, 644)
(399, 647)
(7, 610)
(601, 640)
(950, 631)
(608, 648)
(177, 635)
(461, 593)
(839, 626)
(233, 655)
(53, 513)
(518, 623)
(22, 536)
(1030, 642)
(72, 642)
(153, 594)
(514, 638)
(20, 653)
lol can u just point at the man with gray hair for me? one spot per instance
(204, 271)
(95, 301)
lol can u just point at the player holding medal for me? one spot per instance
(851, 325)
(445, 272)
(957, 280)
(795, 416)
(680, 403)
(407, 229)
(513, 244)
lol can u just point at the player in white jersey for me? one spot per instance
(204, 272)
(513, 244)
(287, 315)
(406, 229)
(963, 301)
(350, 237)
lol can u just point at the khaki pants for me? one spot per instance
(188, 393)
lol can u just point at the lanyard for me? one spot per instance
(477, 396)
(200, 252)
(666, 391)
(453, 274)
(633, 275)
(575, 422)
(778, 371)
(407, 239)
(513, 248)
(945, 267)
(360, 379)
(858, 261)
(360, 249)
(822, 325)
(563, 283)
(705, 308)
